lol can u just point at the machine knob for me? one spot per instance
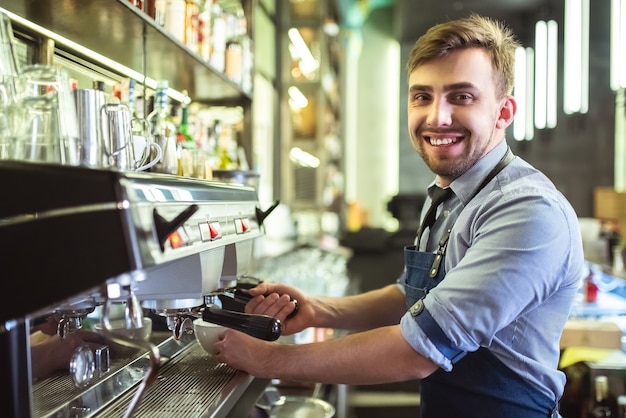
(261, 215)
(165, 228)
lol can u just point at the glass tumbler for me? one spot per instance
(8, 75)
(45, 122)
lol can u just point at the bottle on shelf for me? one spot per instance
(183, 137)
(212, 160)
(227, 148)
(138, 4)
(218, 36)
(192, 12)
(204, 31)
(174, 19)
(233, 55)
(247, 64)
(156, 10)
(590, 288)
(604, 404)
(186, 145)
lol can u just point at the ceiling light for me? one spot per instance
(576, 61)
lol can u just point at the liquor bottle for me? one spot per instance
(163, 131)
(182, 136)
(156, 10)
(204, 31)
(604, 404)
(590, 288)
(247, 65)
(174, 20)
(233, 55)
(131, 101)
(218, 37)
(227, 148)
(192, 12)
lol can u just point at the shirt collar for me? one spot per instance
(464, 185)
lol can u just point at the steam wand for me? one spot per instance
(132, 311)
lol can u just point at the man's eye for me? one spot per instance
(420, 97)
(463, 97)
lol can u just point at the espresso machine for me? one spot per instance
(76, 239)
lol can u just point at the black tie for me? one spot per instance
(439, 195)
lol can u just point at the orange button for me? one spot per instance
(175, 240)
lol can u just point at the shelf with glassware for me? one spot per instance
(131, 44)
(106, 31)
(314, 139)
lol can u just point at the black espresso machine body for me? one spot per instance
(67, 234)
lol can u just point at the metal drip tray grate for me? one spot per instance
(190, 384)
(193, 386)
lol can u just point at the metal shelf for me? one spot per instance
(115, 29)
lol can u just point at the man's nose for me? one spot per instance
(439, 113)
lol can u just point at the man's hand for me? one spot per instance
(277, 300)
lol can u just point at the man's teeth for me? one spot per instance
(441, 141)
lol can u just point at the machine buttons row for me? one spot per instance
(209, 231)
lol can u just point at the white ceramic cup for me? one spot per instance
(143, 152)
(207, 334)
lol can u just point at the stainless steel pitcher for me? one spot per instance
(92, 131)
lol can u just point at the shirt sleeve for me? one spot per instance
(421, 343)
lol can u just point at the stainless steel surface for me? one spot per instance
(302, 406)
(190, 384)
(119, 226)
(115, 29)
(127, 239)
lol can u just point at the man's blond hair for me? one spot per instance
(473, 31)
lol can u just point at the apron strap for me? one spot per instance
(443, 242)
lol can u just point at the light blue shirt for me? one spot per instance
(514, 264)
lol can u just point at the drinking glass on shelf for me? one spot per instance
(8, 75)
(45, 122)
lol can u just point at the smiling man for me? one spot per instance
(479, 309)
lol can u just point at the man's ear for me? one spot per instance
(508, 108)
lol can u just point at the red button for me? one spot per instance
(214, 230)
(245, 225)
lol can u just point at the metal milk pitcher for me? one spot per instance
(124, 150)
(117, 145)
(91, 129)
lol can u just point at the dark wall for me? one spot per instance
(578, 155)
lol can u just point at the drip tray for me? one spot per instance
(189, 384)
(194, 386)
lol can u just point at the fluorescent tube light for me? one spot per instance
(303, 158)
(618, 44)
(541, 73)
(576, 65)
(308, 63)
(296, 98)
(519, 89)
(553, 55)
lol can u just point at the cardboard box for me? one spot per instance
(610, 205)
(591, 333)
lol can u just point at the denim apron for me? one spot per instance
(479, 385)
